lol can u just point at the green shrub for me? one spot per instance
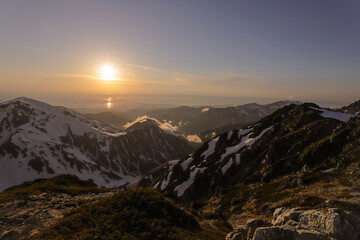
(129, 214)
(64, 183)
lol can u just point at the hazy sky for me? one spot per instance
(181, 52)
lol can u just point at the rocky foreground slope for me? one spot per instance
(40, 140)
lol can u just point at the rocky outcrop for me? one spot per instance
(20, 219)
(301, 224)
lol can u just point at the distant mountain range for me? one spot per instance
(197, 124)
(40, 140)
(112, 119)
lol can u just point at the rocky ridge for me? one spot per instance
(285, 142)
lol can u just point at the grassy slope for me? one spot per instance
(316, 189)
(130, 214)
(69, 184)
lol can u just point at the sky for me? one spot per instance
(192, 52)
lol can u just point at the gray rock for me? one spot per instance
(284, 233)
(310, 235)
(282, 215)
(239, 233)
(333, 222)
(253, 224)
(274, 233)
(302, 224)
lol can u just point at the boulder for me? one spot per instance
(253, 224)
(301, 224)
(239, 233)
(283, 215)
(274, 233)
(334, 222)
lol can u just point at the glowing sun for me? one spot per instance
(107, 72)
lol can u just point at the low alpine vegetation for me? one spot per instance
(130, 214)
(64, 183)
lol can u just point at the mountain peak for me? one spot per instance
(145, 122)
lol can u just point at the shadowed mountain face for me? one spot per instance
(111, 119)
(40, 140)
(285, 142)
(353, 108)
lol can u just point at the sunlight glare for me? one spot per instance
(109, 104)
(107, 72)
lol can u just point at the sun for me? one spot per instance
(107, 72)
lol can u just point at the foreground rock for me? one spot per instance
(301, 224)
(20, 219)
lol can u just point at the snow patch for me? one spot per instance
(242, 132)
(328, 170)
(205, 109)
(229, 135)
(185, 164)
(211, 148)
(245, 141)
(334, 115)
(166, 181)
(180, 189)
(226, 167)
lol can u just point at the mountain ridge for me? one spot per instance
(285, 141)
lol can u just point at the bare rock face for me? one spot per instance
(301, 224)
(20, 219)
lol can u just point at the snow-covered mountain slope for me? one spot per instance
(40, 140)
(280, 144)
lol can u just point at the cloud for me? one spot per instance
(194, 138)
